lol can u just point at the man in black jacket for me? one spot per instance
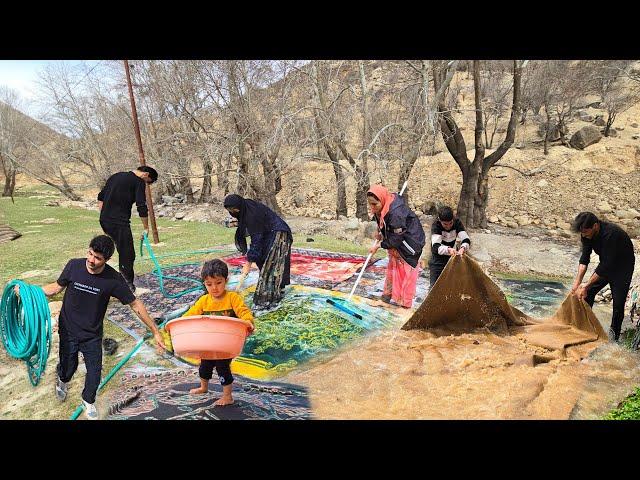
(445, 231)
(617, 260)
(115, 200)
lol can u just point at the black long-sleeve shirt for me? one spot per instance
(121, 191)
(442, 240)
(614, 247)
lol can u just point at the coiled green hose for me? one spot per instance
(25, 326)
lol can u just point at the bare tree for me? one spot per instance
(610, 81)
(474, 194)
(13, 128)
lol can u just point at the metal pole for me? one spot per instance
(136, 125)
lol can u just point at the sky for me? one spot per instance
(21, 75)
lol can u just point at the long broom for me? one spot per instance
(342, 307)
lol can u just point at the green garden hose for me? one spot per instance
(157, 271)
(25, 326)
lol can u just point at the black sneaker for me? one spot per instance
(613, 336)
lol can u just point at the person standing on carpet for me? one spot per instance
(402, 235)
(270, 248)
(218, 301)
(115, 200)
(445, 231)
(89, 283)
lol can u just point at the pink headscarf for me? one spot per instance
(385, 197)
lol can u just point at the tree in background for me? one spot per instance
(474, 195)
(610, 82)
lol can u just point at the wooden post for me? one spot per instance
(136, 125)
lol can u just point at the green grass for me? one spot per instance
(48, 247)
(629, 409)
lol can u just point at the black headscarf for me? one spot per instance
(252, 218)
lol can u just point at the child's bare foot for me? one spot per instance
(224, 400)
(195, 391)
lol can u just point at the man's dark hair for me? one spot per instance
(583, 220)
(445, 214)
(153, 174)
(214, 268)
(103, 245)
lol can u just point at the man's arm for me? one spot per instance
(582, 269)
(145, 224)
(52, 289)
(140, 310)
(141, 204)
(49, 290)
(100, 202)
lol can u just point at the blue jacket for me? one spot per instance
(403, 231)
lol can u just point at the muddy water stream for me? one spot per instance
(395, 374)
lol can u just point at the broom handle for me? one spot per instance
(366, 262)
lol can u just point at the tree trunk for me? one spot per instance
(546, 133)
(187, 189)
(341, 191)
(268, 197)
(607, 128)
(9, 183)
(467, 201)
(205, 195)
(65, 189)
(481, 201)
(243, 171)
(362, 187)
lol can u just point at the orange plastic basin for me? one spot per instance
(208, 337)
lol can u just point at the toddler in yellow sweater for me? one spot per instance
(218, 301)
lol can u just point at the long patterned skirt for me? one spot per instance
(275, 272)
(401, 279)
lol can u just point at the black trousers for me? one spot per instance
(123, 238)
(435, 269)
(223, 367)
(619, 291)
(68, 362)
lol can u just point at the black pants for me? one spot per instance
(223, 367)
(68, 363)
(435, 269)
(123, 238)
(619, 291)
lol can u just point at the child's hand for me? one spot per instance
(251, 330)
(159, 341)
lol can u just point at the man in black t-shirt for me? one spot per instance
(445, 231)
(115, 200)
(90, 283)
(617, 261)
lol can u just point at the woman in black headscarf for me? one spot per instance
(270, 247)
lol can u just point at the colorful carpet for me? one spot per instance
(158, 394)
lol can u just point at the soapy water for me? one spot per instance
(393, 374)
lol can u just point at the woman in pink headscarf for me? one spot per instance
(401, 233)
